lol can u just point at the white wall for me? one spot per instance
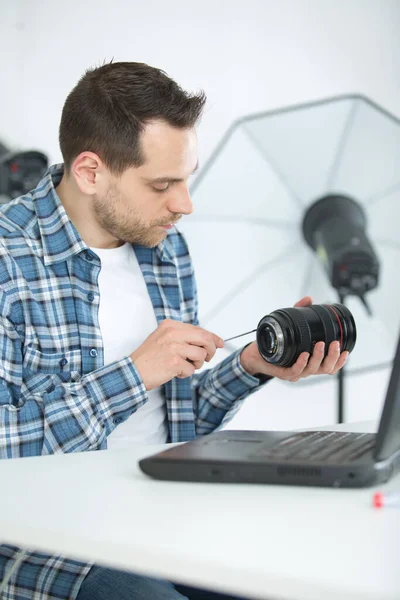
(248, 56)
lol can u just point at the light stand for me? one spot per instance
(334, 227)
(341, 373)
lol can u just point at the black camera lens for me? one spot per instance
(285, 333)
(270, 340)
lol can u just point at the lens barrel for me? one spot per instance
(285, 333)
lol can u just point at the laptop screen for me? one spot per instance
(388, 436)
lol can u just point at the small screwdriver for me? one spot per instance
(240, 335)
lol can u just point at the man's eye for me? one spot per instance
(161, 190)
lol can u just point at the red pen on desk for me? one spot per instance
(379, 499)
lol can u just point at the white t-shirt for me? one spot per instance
(127, 318)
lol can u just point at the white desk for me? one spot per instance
(274, 542)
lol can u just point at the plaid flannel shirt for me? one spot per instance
(56, 394)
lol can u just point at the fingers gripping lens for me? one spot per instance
(284, 334)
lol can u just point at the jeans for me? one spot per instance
(108, 584)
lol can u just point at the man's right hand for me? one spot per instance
(174, 349)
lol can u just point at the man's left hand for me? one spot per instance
(306, 365)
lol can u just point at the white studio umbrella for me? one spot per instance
(246, 234)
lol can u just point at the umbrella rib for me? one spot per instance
(245, 220)
(342, 142)
(245, 283)
(278, 172)
(382, 195)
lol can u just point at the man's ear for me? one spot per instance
(85, 170)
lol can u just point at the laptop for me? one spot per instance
(314, 458)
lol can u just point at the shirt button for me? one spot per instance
(118, 420)
(90, 296)
(89, 256)
(63, 362)
(93, 352)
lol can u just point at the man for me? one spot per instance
(99, 336)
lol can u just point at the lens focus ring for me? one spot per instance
(303, 328)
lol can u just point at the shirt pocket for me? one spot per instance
(37, 361)
(44, 371)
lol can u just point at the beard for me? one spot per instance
(127, 226)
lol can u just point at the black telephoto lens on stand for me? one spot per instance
(285, 333)
(335, 228)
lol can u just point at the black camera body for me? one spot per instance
(285, 333)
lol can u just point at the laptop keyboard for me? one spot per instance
(336, 446)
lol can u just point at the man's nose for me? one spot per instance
(181, 202)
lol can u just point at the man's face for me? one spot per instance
(143, 203)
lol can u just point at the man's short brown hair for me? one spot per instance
(110, 105)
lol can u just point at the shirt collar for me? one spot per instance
(60, 238)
